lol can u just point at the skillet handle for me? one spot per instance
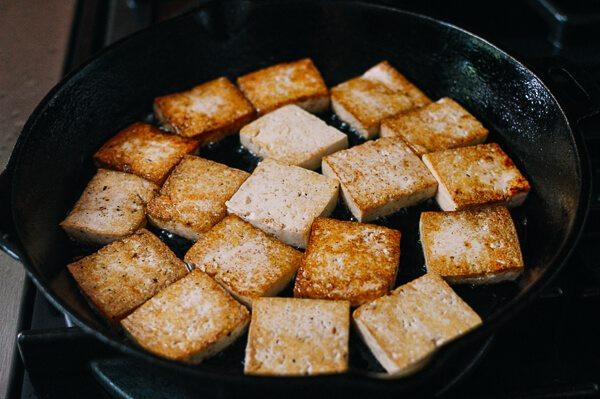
(7, 230)
(575, 89)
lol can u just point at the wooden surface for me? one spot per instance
(33, 42)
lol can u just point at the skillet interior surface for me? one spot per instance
(53, 162)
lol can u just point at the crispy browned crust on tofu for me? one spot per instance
(193, 197)
(111, 207)
(246, 261)
(379, 177)
(348, 261)
(475, 246)
(381, 92)
(290, 336)
(144, 150)
(404, 328)
(438, 126)
(188, 321)
(368, 102)
(297, 82)
(477, 175)
(385, 73)
(126, 273)
(207, 112)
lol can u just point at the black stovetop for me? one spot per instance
(550, 350)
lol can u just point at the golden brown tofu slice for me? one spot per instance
(126, 273)
(298, 82)
(438, 126)
(111, 207)
(144, 150)
(207, 112)
(246, 261)
(404, 328)
(385, 73)
(192, 200)
(290, 336)
(476, 175)
(379, 177)
(189, 321)
(363, 104)
(350, 261)
(381, 92)
(475, 246)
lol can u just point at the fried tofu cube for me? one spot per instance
(385, 73)
(192, 200)
(298, 82)
(144, 150)
(349, 261)
(293, 136)
(189, 321)
(284, 200)
(290, 336)
(126, 273)
(404, 328)
(476, 175)
(363, 104)
(207, 112)
(438, 126)
(379, 177)
(246, 261)
(477, 246)
(381, 92)
(111, 207)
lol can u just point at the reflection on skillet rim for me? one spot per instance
(499, 316)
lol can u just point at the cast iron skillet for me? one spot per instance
(51, 162)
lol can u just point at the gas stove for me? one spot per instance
(550, 350)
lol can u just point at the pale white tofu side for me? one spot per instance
(284, 200)
(293, 136)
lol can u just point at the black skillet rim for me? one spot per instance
(501, 316)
